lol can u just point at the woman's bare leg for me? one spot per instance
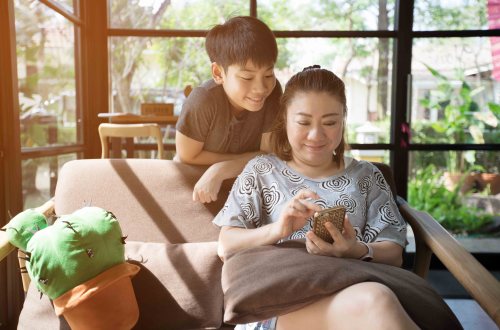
(363, 306)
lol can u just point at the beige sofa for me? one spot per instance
(173, 240)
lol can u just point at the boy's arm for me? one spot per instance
(208, 186)
(232, 168)
(191, 151)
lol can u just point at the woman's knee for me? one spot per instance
(367, 296)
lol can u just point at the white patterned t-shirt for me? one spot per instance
(267, 184)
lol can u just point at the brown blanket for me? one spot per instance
(267, 281)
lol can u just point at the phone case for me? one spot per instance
(334, 215)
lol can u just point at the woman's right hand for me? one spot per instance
(295, 214)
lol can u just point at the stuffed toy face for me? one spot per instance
(76, 248)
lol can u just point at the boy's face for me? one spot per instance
(246, 87)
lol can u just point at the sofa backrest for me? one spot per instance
(152, 199)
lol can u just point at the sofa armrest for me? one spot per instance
(5, 247)
(432, 238)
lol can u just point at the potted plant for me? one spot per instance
(427, 192)
(461, 120)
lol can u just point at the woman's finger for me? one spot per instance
(348, 228)
(312, 248)
(306, 193)
(336, 234)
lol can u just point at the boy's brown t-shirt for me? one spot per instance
(206, 117)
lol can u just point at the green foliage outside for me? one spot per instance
(460, 119)
(427, 192)
(157, 69)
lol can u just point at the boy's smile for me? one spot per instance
(246, 87)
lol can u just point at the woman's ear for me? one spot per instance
(217, 73)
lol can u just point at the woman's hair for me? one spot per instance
(311, 79)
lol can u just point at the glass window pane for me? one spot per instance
(155, 70)
(40, 178)
(450, 15)
(455, 97)
(173, 14)
(366, 74)
(463, 200)
(69, 5)
(327, 15)
(46, 72)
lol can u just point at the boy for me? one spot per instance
(226, 121)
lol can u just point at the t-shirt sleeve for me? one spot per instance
(272, 108)
(384, 222)
(243, 207)
(198, 112)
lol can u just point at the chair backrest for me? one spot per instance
(129, 131)
(388, 176)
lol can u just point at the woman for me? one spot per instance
(275, 197)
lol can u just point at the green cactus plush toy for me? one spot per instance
(78, 262)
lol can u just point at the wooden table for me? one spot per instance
(130, 118)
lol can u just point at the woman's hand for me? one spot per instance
(345, 244)
(295, 214)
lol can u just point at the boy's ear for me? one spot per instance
(217, 73)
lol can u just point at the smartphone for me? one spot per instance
(334, 215)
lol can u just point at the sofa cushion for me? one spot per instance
(273, 280)
(152, 199)
(178, 287)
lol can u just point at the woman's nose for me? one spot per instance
(315, 133)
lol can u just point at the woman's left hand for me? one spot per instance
(345, 244)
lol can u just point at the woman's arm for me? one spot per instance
(346, 245)
(387, 252)
(233, 239)
(293, 216)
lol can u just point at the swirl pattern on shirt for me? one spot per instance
(359, 235)
(387, 216)
(247, 184)
(298, 234)
(224, 208)
(250, 214)
(337, 184)
(271, 196)
(380, 182)
(295, 190)
(364, 185)
(262, 166)
(321, 202)
(348, 202)
(370, 233)
(291, 176)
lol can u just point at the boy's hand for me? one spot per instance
(208, 186)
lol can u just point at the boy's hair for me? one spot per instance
(240, 39)
(311, 79)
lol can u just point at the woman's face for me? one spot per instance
(314, 127)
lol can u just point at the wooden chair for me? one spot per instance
(129, 131)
